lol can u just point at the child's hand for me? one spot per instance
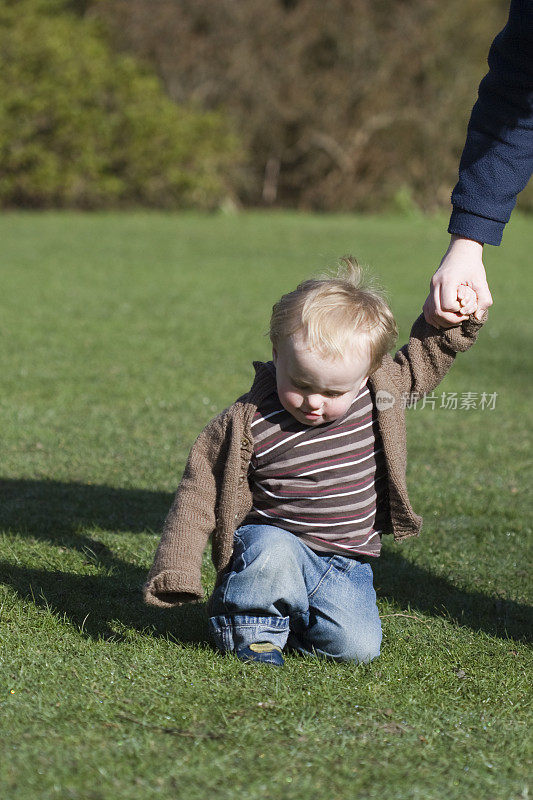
(467, 299)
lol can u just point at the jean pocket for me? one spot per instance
(342, 563)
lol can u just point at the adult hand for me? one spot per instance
(462, 264)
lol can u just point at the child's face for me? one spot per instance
(313, 389)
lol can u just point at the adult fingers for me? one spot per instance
(439, 318)
(448, 295)
(484, 299)
(431, 307)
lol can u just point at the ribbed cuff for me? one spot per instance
(472, 226)
(171, 588)
(462, 337)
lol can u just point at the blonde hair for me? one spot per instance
(337, 313)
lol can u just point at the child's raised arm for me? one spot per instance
(421, 364)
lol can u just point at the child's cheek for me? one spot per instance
(334, 408)
(293, 399)
(338, 406)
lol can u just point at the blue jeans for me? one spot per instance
(276, 589)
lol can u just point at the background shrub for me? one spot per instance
(81, 126)
(345, 105)
(349, 104)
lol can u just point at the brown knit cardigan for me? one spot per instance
(214, 496)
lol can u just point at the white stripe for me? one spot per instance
(339, 466)
(267, 416)
(322, 497)
(362, 394)
(281, 444)
(355, 550)
(335, 435)
(339, 544)
(372, 536)
(315, 524)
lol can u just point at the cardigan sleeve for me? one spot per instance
(497, 159)
(420, 365)
(175, 575)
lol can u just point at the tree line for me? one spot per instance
(337, 105)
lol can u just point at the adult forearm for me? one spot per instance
(497, 159)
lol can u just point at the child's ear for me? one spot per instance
(274, 355)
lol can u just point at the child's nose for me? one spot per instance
(314, 402)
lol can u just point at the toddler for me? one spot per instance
(298, 480)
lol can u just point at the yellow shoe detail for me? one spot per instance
(263, 647)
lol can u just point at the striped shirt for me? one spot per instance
(324, 483)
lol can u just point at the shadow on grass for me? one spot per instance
(415, 588)
(61, 514)
(106, 606)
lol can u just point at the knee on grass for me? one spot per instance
(361, 648)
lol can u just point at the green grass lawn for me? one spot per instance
(122, 335)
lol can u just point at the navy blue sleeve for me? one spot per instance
(497, 159)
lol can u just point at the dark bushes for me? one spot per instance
(337, 105)
(83, 127)
(344, 104)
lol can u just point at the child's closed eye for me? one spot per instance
(303, 387)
